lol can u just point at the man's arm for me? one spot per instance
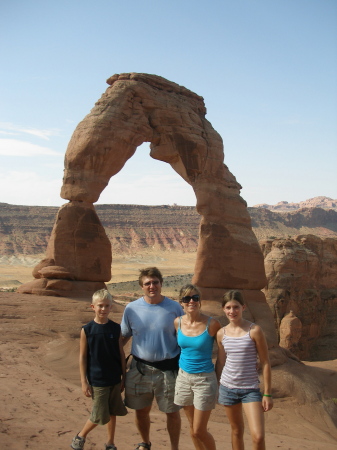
(126, 331)
(123, 364)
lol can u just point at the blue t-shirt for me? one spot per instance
(196, 351)
(152, 329)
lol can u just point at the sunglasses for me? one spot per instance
(154, 283)
(188, 298)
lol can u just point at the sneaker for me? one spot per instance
(77, 443)
(110, 447)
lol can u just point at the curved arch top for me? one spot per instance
(139, 108)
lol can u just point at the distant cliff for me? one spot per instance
(316, 202)
(25, 230)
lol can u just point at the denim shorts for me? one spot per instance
(230, 397)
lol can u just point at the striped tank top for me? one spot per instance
(240, 370)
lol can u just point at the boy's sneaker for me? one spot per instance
(77, 443)
(110, 447)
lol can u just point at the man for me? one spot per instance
(149, 320)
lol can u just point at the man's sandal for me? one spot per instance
(143, 444)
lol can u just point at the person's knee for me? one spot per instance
(199, 434)
(143, 413)
(257, 438)
(174, 417)
(238, 430)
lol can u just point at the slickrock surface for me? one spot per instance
(42, 402)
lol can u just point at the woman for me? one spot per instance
(240, 342)
(196, 384)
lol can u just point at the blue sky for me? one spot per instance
(267, 70)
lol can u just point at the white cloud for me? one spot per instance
(9, 128)
(15, 147)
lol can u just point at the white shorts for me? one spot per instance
(197, 389)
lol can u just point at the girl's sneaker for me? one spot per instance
(77, 443)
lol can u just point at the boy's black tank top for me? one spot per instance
(104, 362)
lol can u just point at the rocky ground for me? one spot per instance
(42, 405)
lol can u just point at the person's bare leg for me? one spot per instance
(255, 419)
(111, 430)
(189, 412)
(235, 417)
(87, 428)
(200, 431)
(173, 421)
(143, 424)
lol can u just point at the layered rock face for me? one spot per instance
(26, 230)
(139, 108)
(302, 293)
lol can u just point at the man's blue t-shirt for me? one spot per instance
(152, 329)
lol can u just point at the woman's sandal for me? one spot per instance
(143, 444)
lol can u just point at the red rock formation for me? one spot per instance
(139, 108)
(302, 277)
(290, 331)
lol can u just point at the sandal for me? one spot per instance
(143, 444)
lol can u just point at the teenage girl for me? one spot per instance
(196, 385)
(240, 342)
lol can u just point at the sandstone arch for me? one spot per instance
(139, 108)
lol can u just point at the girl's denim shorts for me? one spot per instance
(230, 397)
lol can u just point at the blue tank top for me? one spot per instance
(104, 366)
(196, 351)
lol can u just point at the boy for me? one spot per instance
(102, 369)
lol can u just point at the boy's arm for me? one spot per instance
(125, 340)
(123, 363)
(86, 388)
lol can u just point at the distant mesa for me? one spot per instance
(316, 202)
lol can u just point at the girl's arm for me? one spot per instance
(86, 388)
(221, 358)
(123, 363)
(262, 349)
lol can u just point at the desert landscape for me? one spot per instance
(42, 404)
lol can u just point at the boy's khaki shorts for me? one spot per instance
(107, 401)
(197, 389)
(140, 390)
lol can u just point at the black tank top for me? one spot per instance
(104, 362)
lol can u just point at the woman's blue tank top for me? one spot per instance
(196, 351)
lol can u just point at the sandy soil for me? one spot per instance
(42, 405)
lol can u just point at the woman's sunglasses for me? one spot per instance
(188, 298)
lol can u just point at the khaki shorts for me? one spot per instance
(197, 389)
(140, 390)
(107, 401)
